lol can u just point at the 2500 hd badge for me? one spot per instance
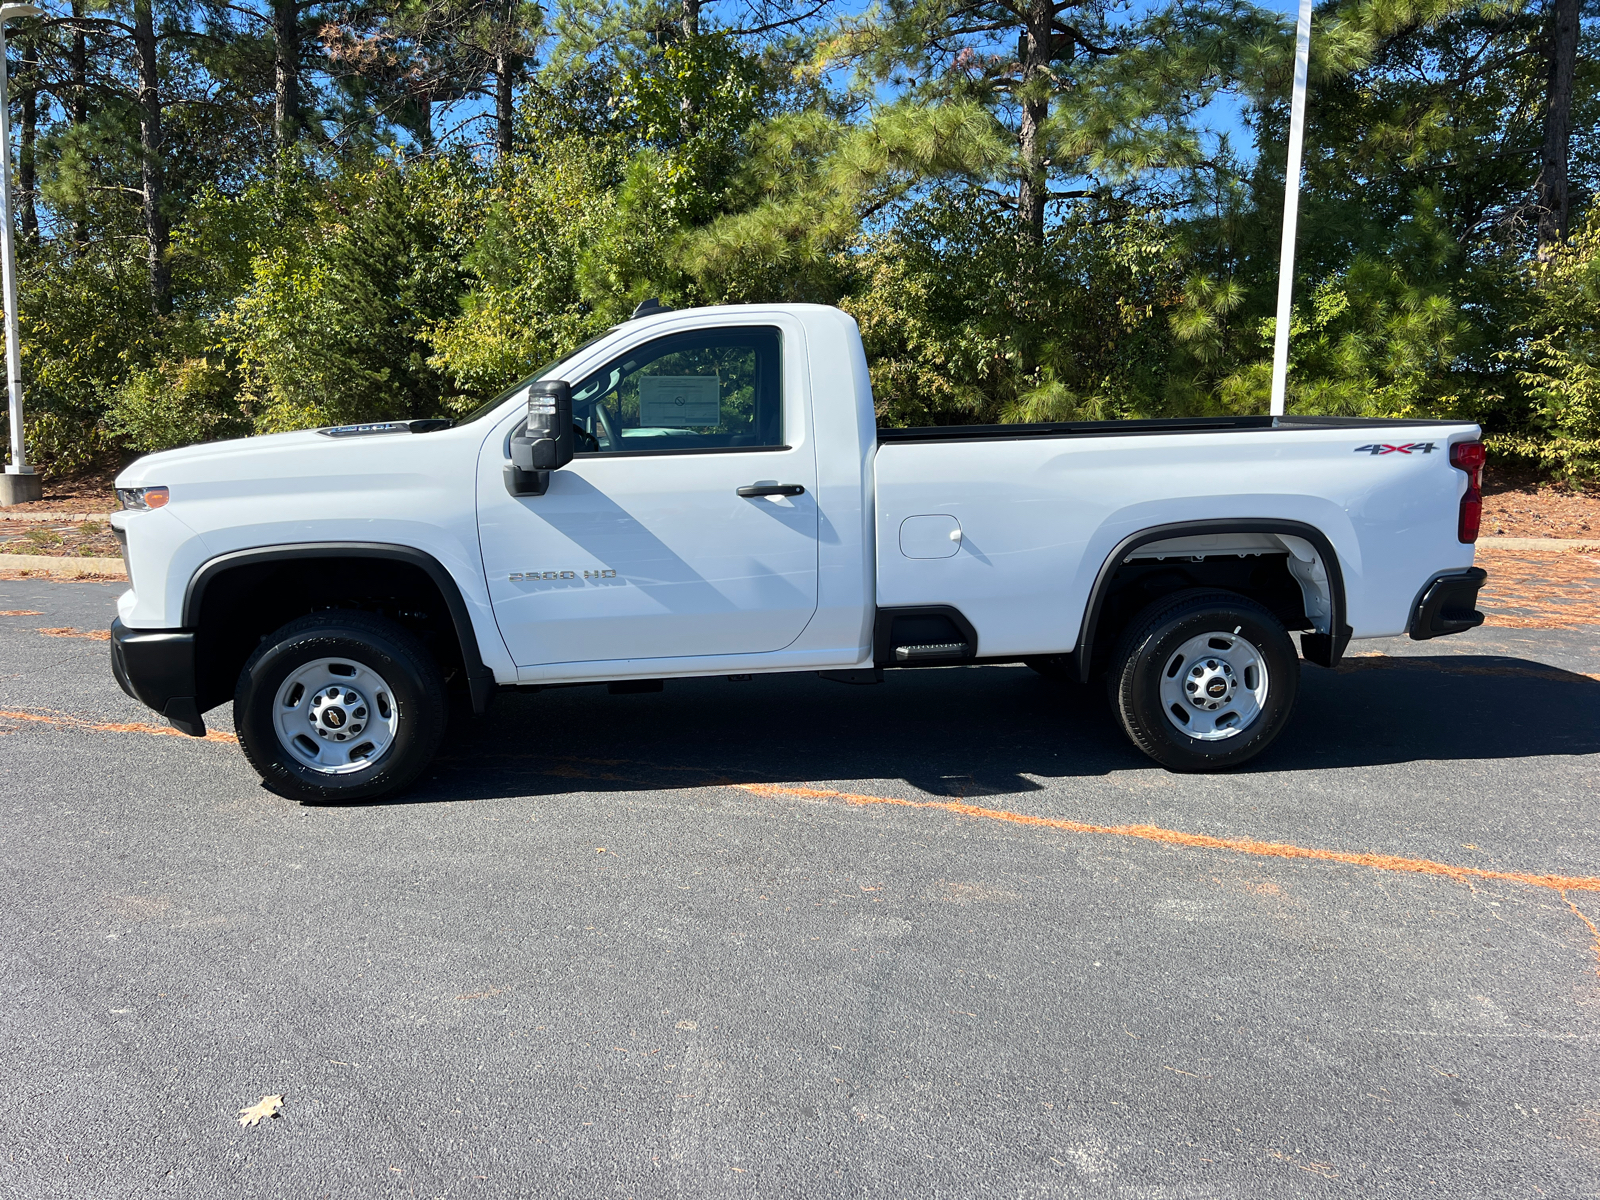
(520, 576)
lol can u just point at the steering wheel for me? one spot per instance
(613, 438)
(587, 442)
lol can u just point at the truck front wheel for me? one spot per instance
(1204, 680)
(339, 705)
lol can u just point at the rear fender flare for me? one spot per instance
(1323, 649)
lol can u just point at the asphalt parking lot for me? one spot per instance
(950, 936)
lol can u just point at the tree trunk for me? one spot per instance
(1033, 57)
(29, 81)
(424, 119)
(503, 108)
(1553, 183)
(287, 119)
(691, 29)
(78, 95)
(78, 68)
(150, 146)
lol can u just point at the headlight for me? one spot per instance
(145, 497)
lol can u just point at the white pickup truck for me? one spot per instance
(705, 492)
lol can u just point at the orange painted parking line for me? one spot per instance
(1174, 837)
(1594, 931)
(61, 719)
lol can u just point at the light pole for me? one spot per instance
(1291, 208)
(19, 484)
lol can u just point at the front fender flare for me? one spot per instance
(480, 679)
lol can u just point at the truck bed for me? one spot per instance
(1012, 524)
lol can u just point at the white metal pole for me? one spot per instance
(8, 270)
(1291, 209)
(8, 275)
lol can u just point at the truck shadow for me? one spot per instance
(985, 731)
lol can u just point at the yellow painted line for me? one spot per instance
(1175, 837)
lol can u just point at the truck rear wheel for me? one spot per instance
(339, 705)
(1204, 680)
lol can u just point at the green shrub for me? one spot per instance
(176, 404)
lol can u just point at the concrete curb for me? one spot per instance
(1547, 545)
(61, 567)
(54, 518)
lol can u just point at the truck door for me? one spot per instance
(686, 523)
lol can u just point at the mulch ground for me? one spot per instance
(91, 492)
(1521, 505)
(68, 539)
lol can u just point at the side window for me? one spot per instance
(707, 390)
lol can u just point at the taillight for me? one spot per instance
(1470, 457)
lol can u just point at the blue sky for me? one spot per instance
(1224, 115)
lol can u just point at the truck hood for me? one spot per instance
(271, 455)
(158, 468)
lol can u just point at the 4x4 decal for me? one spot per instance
(1409, 448)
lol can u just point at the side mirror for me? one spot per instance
(546, 444)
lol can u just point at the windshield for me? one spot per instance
(488, 407)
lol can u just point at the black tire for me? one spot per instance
(413, 706)
(1147, 658)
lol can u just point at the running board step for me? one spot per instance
(931, 650)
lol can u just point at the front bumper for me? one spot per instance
(156, 667)
(1450, 605)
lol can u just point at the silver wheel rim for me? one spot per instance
(1214, 686)
(335, 716)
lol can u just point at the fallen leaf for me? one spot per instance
(94, 635)
(21, 612)
(269, 1107)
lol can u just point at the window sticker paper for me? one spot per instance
(680, 401)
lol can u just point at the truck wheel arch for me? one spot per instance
(1323, 649)
(480, 679)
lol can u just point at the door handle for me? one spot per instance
(772, 489)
